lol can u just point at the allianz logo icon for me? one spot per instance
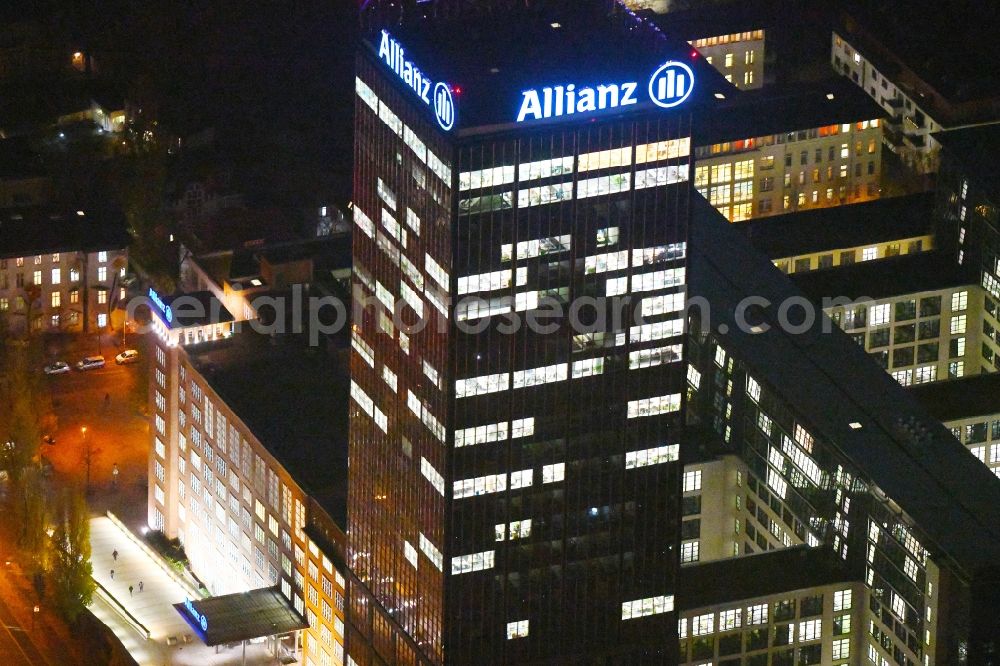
(393, 54)
(669, 86)
(444, 106)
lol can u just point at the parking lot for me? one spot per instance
(110, 403)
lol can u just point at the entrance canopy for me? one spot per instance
(232, 618)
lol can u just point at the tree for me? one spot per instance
(26, 414)
(72, 582)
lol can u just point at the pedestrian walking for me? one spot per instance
(114, 555)
(107, 399)
(112, 574)
(140, 586)
(130, 588)
(114, 475)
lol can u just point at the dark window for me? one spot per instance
(691, 529)
(847, 257)
(931, 305)
(878, 338)
(901, 357)
(810, 606)
(826, 261)
(811, 654)
(784, 610)
(904, 333)
(975, 433)
(927, 352)
(802, 265)
(929, 329)
(905, 309)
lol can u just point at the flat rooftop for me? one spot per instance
(827, 379)
(785, 108)
(712, 20)
(490, 57)
(883, 278)
(758, 575)
(232, 618)
(294, 399)
(853, 225)
(30, 231)
(976, 149)
(978, 395)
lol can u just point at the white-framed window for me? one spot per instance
(474, 562)
(517, 629)
(879, 314)
(692, 481)
(647, 606)
(730, 619)
(959, 301)
(810, 630)
(553, 473)
(703, 624)
(690, 551)
(841, 648)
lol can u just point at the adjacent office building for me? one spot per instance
(798, 442)
(61, 270)
(785, 150)
(731, 38)
(514, 493)
(915, 66)
(247, 465)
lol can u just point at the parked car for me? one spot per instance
(57, 368)
(90, 362)
(127, 356)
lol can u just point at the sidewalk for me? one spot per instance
(51, 637)
(171, 639)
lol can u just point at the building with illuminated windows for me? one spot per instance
(771, 152)
(730, 37)
(915, 65)
(971, 410)
(248, 466)
(61, 270)
(803, 457)
(513, 494)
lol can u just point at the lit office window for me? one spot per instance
(647, 606)
(692, 481)
(545, 168)
(518, 629)
(653, 456)
(432, 553)
(703, 624)
(475, 562)
(690, 551)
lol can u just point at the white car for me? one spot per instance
(127, 356)
(90, 362)
(57, 368)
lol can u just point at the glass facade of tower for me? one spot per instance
(514, 484)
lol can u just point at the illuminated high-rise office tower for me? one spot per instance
(514, 484)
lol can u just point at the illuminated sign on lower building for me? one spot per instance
(437, 96)
(163, 307)
(198, 617)
(670, 84)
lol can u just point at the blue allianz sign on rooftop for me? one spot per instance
(163, 307)
(669, 86)
(436, 95)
